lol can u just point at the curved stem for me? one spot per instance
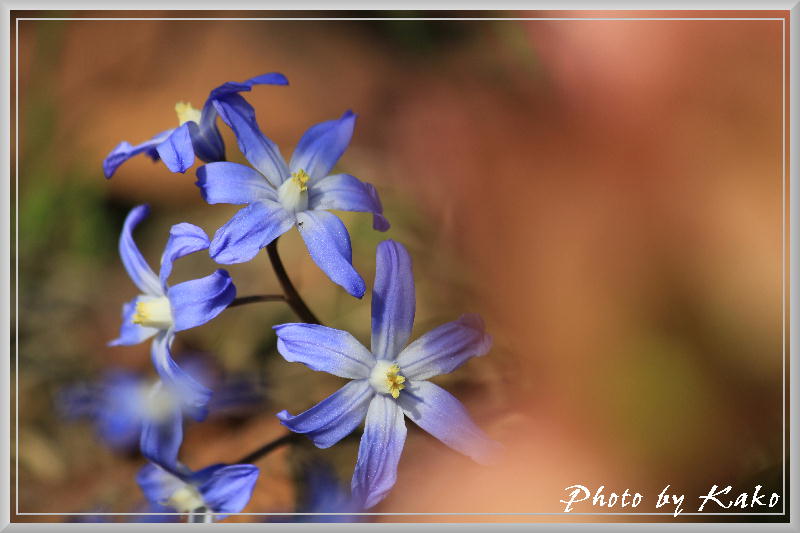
(242, 300)
(268, 447)
(291, 295)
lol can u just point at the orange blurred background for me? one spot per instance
(606, 194)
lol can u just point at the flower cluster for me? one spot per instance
(388, 382)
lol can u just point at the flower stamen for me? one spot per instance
(394, 381)
(187, 113)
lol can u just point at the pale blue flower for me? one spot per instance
(162, 310)
(279, 196)
(389, 382)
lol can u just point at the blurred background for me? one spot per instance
(606, 194)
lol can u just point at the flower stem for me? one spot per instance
(268, 447)
(242, 300)
(290, 293)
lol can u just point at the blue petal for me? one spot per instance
(322, 146)
(439, 413)
(335, 417)
(157, 484)
(250, 230)
(184, 239)
(232, 87)
(328, 243)
(162, 436)
(125, 150)
(260, 151)
(177, 151)
(442, 350)
(393, 300)
(130, 333)
(137, 267)
(229, 488)
(191, 393)
(121, 409)
(206, 140)
(197, 301)
(379, 452)
(324, 349)
(232, 183)
(346, 193)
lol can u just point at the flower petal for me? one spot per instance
(177, 151)
(138, 269)
(184, 239)
(162, 435)
(125, 150)
(333, 418)
(232, 183)
(197, 301)
(228, 488)
(157, 484)
(191, 394)
(322, 145)
(379, 452)
(206, 139)
(259, 150)
(121, 409)
(346, 193)
(442, 350)
(393, 300)
(233, 87)
(328, 243)
(439, 413)
(251, 229)
(324, 349)
(130, 333)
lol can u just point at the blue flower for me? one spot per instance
(122, 401)
(196, 134)
(160, 310)
(389, 381)
(208, 494)
(278, 195)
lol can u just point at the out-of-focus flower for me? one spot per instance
(325, 494)
(122, 400)
(208, 494)
(197, 132)
(161, 311)
(387, 381)
(278, 196)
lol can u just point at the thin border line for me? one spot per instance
(783, 251)
(473, 19)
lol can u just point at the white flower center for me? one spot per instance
(186, 113)
(293, 193)
(186, 499)
(153, 312)
(386, 379)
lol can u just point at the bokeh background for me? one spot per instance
(607, 194)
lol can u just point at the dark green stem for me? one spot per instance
(268, 447)
(242, 300)
(290, 293)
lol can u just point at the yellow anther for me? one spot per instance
(186, 113)
(300, 179)
(394, 381)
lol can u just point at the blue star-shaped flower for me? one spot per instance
(278, 195)
(196, 134)
(389, 382)
(160, 310)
